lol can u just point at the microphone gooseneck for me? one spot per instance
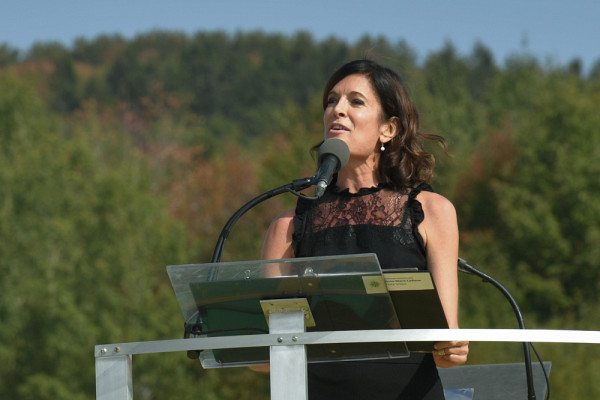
(333, 156)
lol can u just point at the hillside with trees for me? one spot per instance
(119, 157)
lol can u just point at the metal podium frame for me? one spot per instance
(114, 361)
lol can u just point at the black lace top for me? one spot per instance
(374, 220)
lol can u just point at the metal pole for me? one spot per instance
(289, 379)
(114, 378)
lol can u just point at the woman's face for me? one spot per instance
(354, 115)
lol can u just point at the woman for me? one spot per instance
(379, 202)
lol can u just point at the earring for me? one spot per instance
(382, 148)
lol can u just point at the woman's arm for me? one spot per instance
(440, 233)
(278, 241)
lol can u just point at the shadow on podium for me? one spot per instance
(492, 381)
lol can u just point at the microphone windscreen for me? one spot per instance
(336, 147)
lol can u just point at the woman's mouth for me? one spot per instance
(337, 128)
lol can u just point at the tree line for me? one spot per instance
(119, 157)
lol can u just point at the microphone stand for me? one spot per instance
(464, 266)
(333, 155)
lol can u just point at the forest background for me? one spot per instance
(120, 157)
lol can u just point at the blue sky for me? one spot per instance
(554, 31)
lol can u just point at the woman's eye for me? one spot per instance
(331, 100)
(358, 102)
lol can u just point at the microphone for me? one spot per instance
(333, 156)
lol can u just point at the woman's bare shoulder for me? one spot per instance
(440, 224)
(283, 220)
(435, 204)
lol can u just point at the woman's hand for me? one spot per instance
(450, 354)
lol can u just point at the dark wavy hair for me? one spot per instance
(404, 161)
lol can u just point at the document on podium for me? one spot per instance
(416, 301)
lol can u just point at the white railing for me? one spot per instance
(114, 361)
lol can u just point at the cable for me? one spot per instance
(546, 377)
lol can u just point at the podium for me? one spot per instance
(317, 294)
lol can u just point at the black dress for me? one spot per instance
(374, 220)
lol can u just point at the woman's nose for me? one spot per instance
(340, 108)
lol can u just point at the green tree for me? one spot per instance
(99, 51)
(529, 213)
(83, 248)
(62, 85)
(46, 51)
(8, 56)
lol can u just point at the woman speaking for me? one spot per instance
(379, 202)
